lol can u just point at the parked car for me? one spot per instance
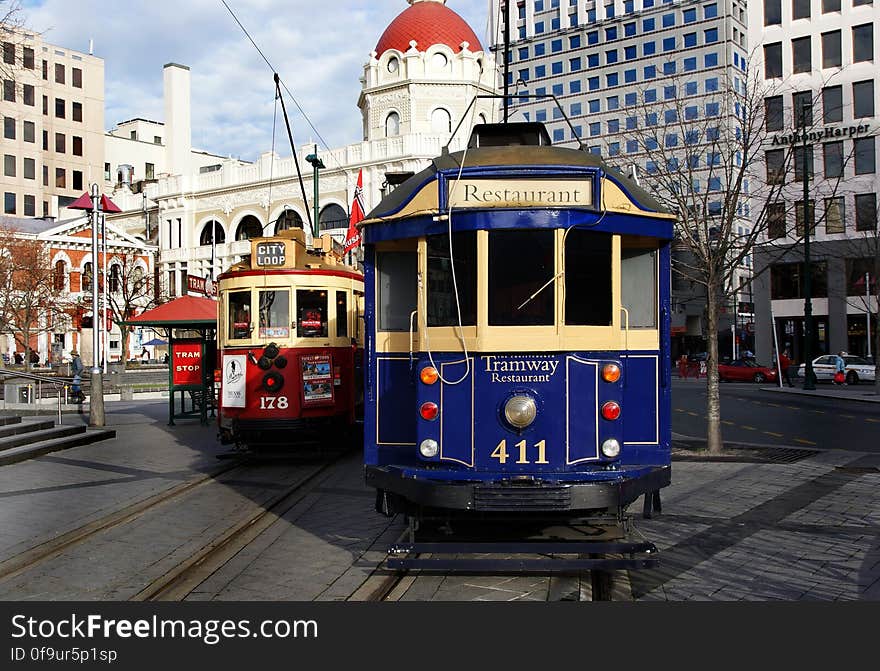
(746, 370)
(858, 369)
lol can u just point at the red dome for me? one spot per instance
(427, 22)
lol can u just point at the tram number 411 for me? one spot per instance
(501, 454)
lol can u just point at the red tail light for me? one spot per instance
(429, 411)
(611, 410)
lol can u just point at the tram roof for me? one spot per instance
(521, 156)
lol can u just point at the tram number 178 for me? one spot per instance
(500, 452)
(273, 402)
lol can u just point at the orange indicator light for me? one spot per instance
(429, 375)
(611, 372)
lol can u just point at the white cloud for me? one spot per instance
(318, 48)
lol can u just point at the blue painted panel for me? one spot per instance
(457, 410)
(582, 410)
(396, 403)
(640, 400)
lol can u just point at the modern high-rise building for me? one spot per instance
(818, 59)
(622, 70)
(53, 124)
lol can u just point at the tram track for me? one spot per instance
(181, 580)
(36, 555)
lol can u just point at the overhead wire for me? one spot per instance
(305, 116)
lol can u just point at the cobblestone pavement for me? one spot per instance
(808, 530)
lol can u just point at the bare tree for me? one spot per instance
(11, 24)
(32, 299)
(130, 290)
(709, 158)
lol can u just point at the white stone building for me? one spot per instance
(417, 86)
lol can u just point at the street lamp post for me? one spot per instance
(96, 400)
(317, 164)
(809, 378)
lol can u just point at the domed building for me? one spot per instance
(417, 87)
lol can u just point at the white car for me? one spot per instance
(857, 369)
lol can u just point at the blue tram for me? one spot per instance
(517, 335)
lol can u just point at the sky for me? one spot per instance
(318, 47)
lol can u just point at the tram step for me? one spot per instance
(36, 449)
(30, 437)
(24, 427)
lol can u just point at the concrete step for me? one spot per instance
(29, 451)
(25, 427)
(40, 435)
(7, 420)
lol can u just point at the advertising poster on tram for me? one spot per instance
(317, 379)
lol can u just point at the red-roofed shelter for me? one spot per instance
(191, 366)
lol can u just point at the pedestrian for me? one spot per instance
(683, 366)
(840, 369)
(145, 356)
(165, 358)
(18, 357)
(33, 356)
(785, 365)
(77, 369)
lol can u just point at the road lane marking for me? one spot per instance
(871, 419)
(818, 412)
(848, 416)
(680, 410)
(693, 414)
(773, 433)
(774, 405)
(747, 427)
(805, 441)
(792, 407)
(728, 422)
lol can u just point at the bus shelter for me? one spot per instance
(190, 326)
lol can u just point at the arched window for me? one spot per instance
(289, 219)
(392, 125)
(58, 279)
(250, 227)
(137, 279)
(332, 216)
(439, 61)
(441, 122)
(207, 236)
(87, 277)
(115, 285)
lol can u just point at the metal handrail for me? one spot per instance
(61, 383)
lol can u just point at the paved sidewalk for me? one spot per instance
(861, 392)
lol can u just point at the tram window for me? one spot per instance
(442, 309)
(521, 263)
(397, 279)
(239, 315)
(341, 314)
(638, 286)
(311, 311)
(275, 314)
(587, 278)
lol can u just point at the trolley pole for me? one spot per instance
(506, 58)
(317, 164)
(96, 395)
(809, 381)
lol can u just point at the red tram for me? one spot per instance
(290, 342)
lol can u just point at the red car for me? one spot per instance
(745, 370)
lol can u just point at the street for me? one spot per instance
(750, 415)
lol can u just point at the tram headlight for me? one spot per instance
(520, 411)
(273, 382)
(264, 363)
(429, 448)
(611, 448)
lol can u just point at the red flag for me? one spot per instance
(353, 236)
